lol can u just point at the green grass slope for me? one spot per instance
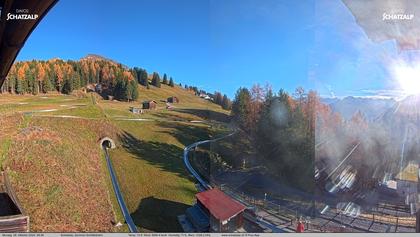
(59, 172)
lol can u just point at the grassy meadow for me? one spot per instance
(49, 144)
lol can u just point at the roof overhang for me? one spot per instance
(15, 32)
(220, 205)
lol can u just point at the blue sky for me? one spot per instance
(221, 45)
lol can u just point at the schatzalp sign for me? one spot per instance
(21, 14)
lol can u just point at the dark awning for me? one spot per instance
(15, 31)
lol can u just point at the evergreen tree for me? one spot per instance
(240, 107)
(225, 103)
(120, 92)
(135, 91)
(131, 90)
(165, 79)
(156, 79)
(134, 73)
(29, 84)
(46, 85)
(143, 79)
(195, 89)
(65, 76)
(218, 98)
(67, 87)
(75, 81)
(171, 82)
(291, 158)
(19, 87)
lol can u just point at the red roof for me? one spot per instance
(219, 204)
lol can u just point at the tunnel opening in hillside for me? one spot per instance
(107, 142)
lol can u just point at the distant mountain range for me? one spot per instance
(404, 117)
(371, 108)
(391, 138)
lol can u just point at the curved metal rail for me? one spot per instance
(131, 226)
(207, 186)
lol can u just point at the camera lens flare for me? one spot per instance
(407, 77)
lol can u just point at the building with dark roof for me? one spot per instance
(172, 99)
(149, 104)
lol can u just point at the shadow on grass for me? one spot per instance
(159, 215)
(188, 134)
(207, 114)
(171, 116)
(168, 157)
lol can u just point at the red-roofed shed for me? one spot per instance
(226, 214)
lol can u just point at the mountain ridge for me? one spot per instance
(370, 107)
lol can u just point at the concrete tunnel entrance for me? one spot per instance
(107, 142)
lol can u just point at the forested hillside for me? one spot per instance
(56, 75)
(37, 76)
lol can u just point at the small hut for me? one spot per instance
(213, 212)
(226, 214)
(172, 99)
(136, 110)
(149, 104)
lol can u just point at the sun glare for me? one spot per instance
(408, 78)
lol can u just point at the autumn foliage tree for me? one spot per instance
(40, 76)
(282, 128)
(59, 76)
(56, 75)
